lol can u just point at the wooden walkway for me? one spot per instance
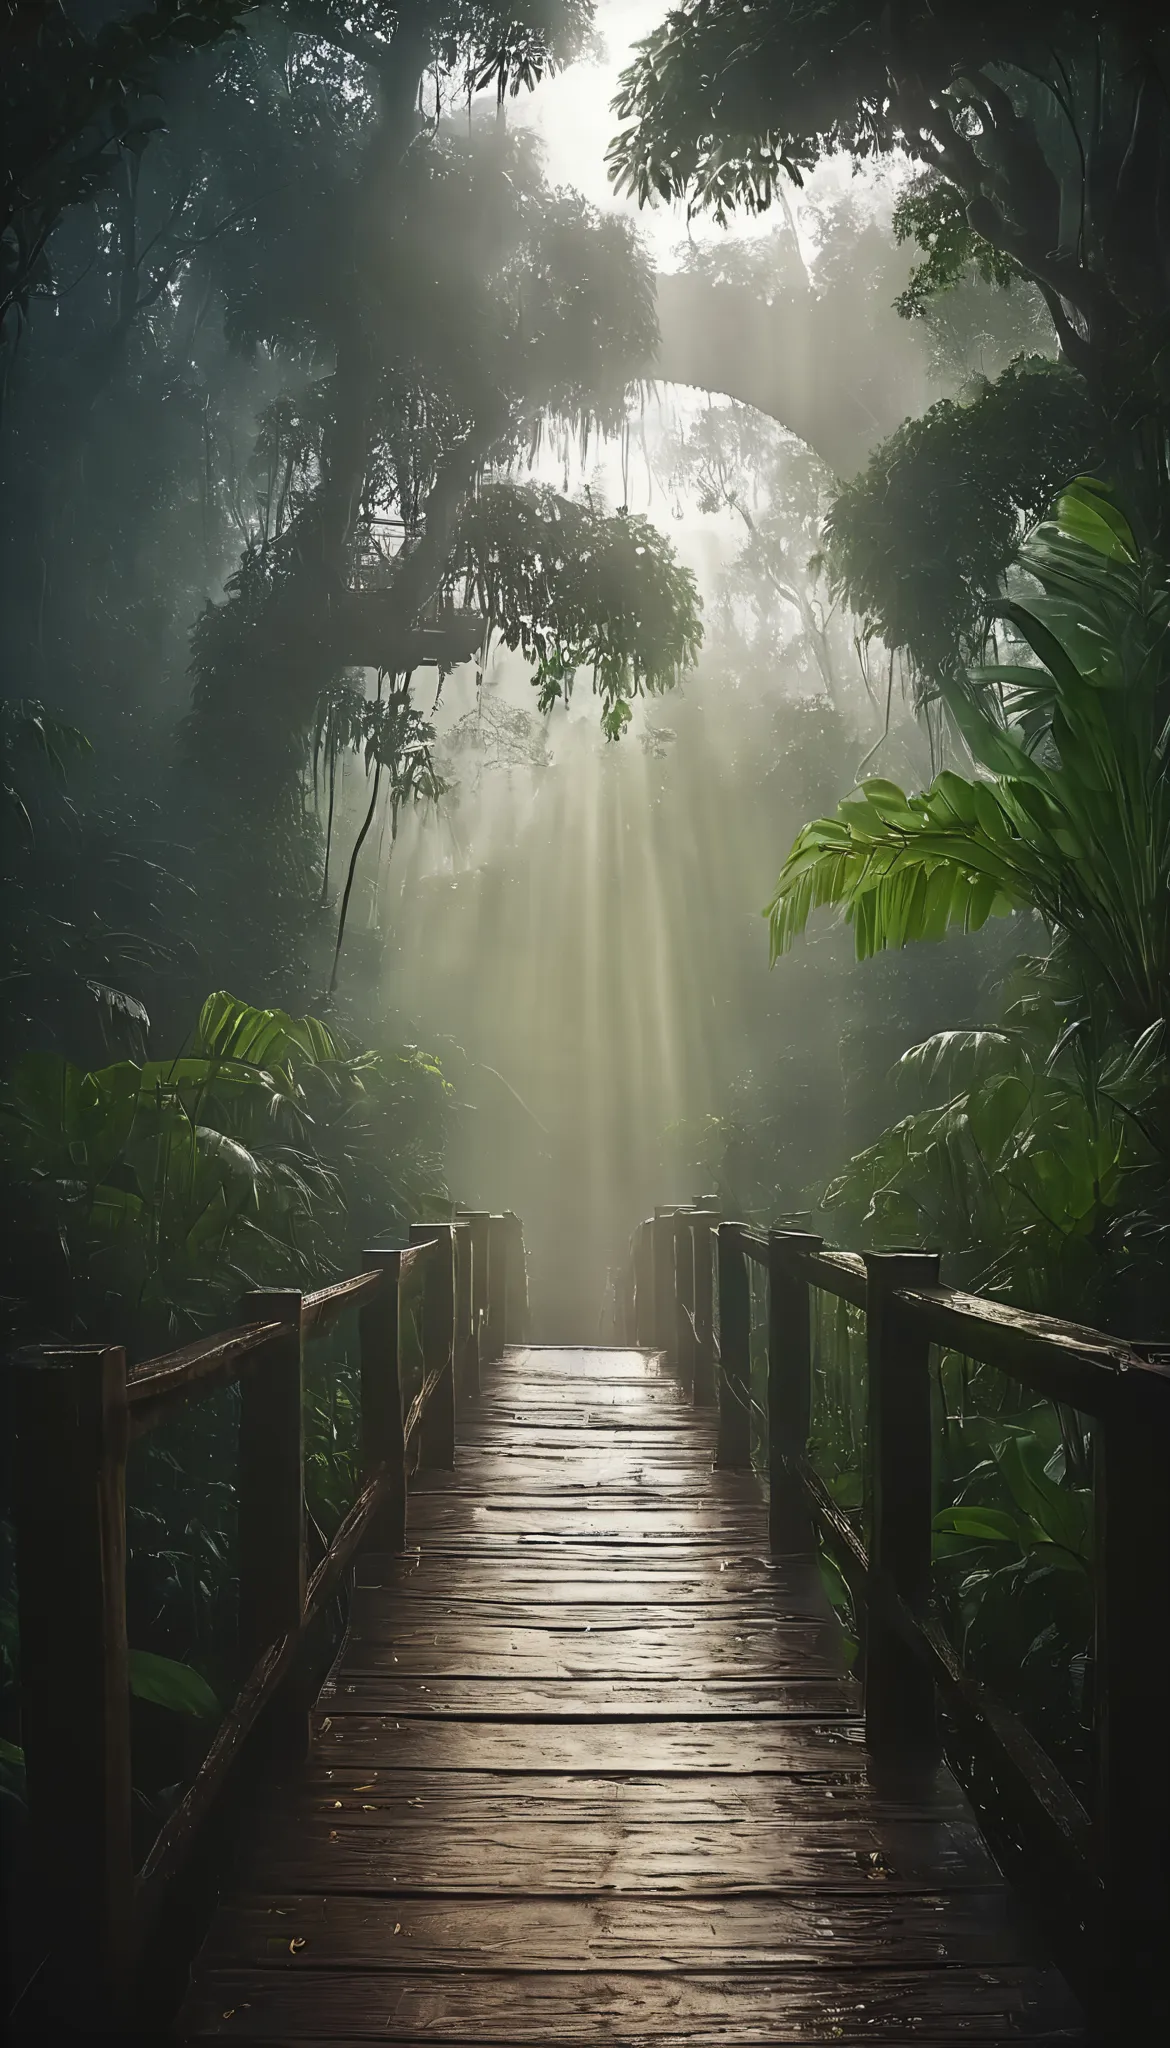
(590, 1770)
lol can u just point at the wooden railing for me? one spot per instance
(77, 1412)
(1102, 1871)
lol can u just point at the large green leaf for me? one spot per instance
(1059, 1515)
(232, 1030)
(166, 1683)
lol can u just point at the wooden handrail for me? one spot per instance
(1109, 1869)
(159, 1387)
(77, 1410)
(1063, 1361)
(321, 1308)
(839, 1273)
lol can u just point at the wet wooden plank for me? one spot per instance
(543, 1606)
(702, 1597)
(658, 1416)
(589, 1394)
(373, 1796)
(322, 1851)
(608, 1702)
(555, 1363)
(570, 1478)
(705, 1649)
(770, 1930)
(532, 1520)
(720, 1569)
(590, 1769)
(577, 2011)
(646, 1748)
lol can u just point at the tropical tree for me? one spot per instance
(576, 588)
(1042, 133)
(1071, 816)
(80, 102)
(919, 539)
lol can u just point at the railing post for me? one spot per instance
(437, 1428)
(516, 1300)
(69, 1486)
(703, 1247)
(381, 1390)
(735, 1369)
(663, 1235)
(684, 1298)
(271, 1507)
(900, 1718)
(1131, 1666)
(466, 1348)
(477, 1221)
(789, 1385)
(644, 1285)
(497, 1288)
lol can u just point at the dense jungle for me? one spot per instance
(584, 609)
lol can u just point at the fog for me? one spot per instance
(248, 404)
(579, 930)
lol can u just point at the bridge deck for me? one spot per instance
(589, 1769)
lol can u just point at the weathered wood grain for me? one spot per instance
(734, 2011)
(532, 1519)
(484, 1859)
(590, 1769)
(359, 1744)
(716, 1569)
(769, 1930)
(705, 1649)
(373, 1796)
(608, 1702)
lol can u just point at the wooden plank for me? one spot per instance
(574, 2010)
(566, 1477)
(607, 1701)
(718, 1564)
(796, 1744)
(540, 1604)
(769, 1930)
(608, 1575)
(555, 1363)
(644, 1404)
(382, 1610)
(561, 1417)
(324, 1851)
(481, 1451)
(509, 1428)
(590, 1769)
(704, 1650)
(529, 1519)
(374, 1797)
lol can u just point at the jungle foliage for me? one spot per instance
(1072, 816)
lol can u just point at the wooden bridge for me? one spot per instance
(590, 1765)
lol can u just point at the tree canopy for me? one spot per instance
(1044, 129)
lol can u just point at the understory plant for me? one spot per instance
(1043, 1147)
(142, 1200)
(1036, 1153)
